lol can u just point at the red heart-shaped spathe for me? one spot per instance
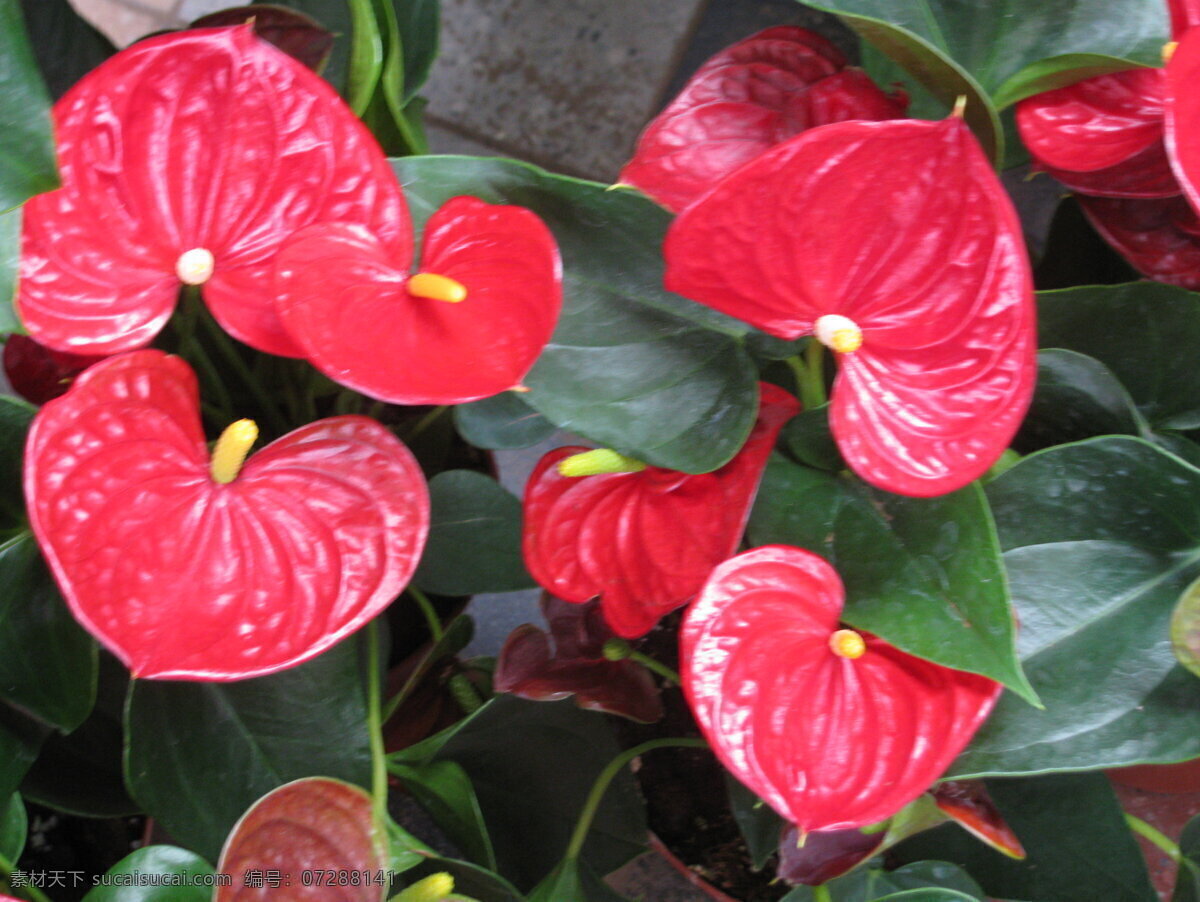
(743, 101)
(643, 542)
(1183, 114)
(208, 139)
(187, 578)
(1160, 237)
(344, 298)
(902, 227)
(830, 742)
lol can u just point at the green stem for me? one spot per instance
(375, 720)
(821, 893)
(426, 421)
(614, 767)
(235, 362)
(657, 667)
(430, 612)
(810, 375)
(29, 892)
(1154, 836)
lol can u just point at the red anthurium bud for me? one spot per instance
(38, 373)
(831, 741)
(742, 102)
(643, 540)
(188, 158)
(1183, 114)
(895, 245)
(825, 854)
(191, 568)
(528, 667)
(968, 803)
(1160, 238)
(467, 325)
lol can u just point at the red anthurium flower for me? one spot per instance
(576, 665)
(188, 158)
(191, 569)
(38, 373)
(832, 728)
(469, 324)
(644, 540)
(744, 101)
(895, 245)
(1159, 237)
(1183, 114)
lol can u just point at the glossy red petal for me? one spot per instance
(1185, 14)
(743, 101)
(201, 139)
(644, 542)
(343, 297)
(903, 227)
(1160, 238)
(1183, 114)
(829, 742)
(185, 578)
(1097, 124)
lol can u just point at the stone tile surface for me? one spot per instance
(567, 84)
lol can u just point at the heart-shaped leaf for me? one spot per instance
(502, 421)
(487, 306)
(644, 541)
(235, 742)
(444, 790)
(574, 880)
(26, 150)
(831, 234)
(630, 366)
(1100, 541)
(778, 691)
(157, 874)
(314, 826)
(192, 156)
(245, 564)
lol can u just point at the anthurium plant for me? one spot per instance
(871, 544)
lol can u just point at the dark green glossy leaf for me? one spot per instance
(1185, 628)
(532, 765)
(502, 421)
(444, 790)
(232, 743)
(183, 875)
(1100, 539)
(1079, 848)
(13, 826)
(10, 258)
(573, 880)
(27, 160)
(757, 821)
(630, 366)
(20, 739)
(929, 894)
(366, 55)
(65, 44)
(474, 540)
(469, 880)
(809, 440)
(1077, 397)
(934, 873)
(1136, 330)
(1187, 881)
(47, 661)
(923, 573)
(418, 22)
(15, 417)
(405, 851)
(861, 885)
(81, 773)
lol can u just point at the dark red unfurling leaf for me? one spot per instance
(315, 826)
(184, 577)
(570, 661)
(301, 37)
(825, 854)
(1183, 114)
(1102, 136)
(210, 140)
(830, 742)
(344, 297)
(742, 102)
(967, 802)
(1160, 238)
(38, 373)
(643, 542)
(903, 228)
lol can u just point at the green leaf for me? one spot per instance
(469, 880)
(1100, 539)
(929, 894)
(1136, 330)
(1185, 628)
(1187, 881)
(1079, 848)
(10, 261)
(756, 820)
(366, 56)
(532, 765)
(923, 573)
(934, 873)
(501, 422)
(444, 790)
(405, 851)
(419, 24)
(20, 739)
(15, 417)
(474, 543)
(65, 44)
(14, 825)
(181, 876)
(809, 441)
(573, 880)
(630, 366)
(200, 754)
(27, 159)
(47, 661)
(81, 773)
